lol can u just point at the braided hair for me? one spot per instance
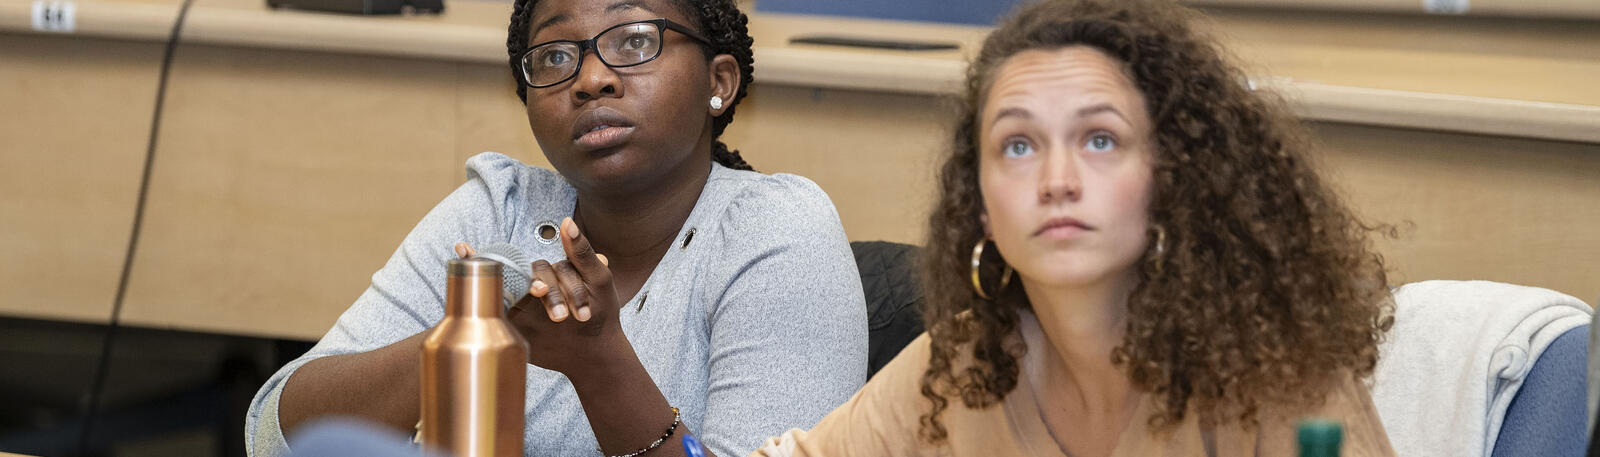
(720, 21)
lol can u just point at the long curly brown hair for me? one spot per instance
(1266, 290)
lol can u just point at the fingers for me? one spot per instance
(565, 287)
(561, 289)
(553, 299)
(593, 270)
(575, 291)
(526, 320)
(464, 250)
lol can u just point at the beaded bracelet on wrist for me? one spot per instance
(657, 443)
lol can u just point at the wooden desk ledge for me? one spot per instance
(1566, 9)
(474, 31)
(1452, 113)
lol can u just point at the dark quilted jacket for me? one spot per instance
(894, 298)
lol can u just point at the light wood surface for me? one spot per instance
(1500, 58)
(143, 20)
(1455, 113)
(1475, 207)
(291, 164)
(1568, 9)
(872, 152)
(490, 118)
(284, 180)
(1449, 74)
(913, 72)
(876, 161)
(470, 31)
(1306, 53)
(72, 145)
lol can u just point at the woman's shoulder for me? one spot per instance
(754, 215)
(883, 418)
(518, 190)
(500, 171)
(904, 374)
(751, 194)
(886, 418)
(891, 402)
(911, 362)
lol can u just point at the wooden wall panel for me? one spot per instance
(73, 133)
(872, 152)
(283, 180)
(491, 118)
(1474, 207)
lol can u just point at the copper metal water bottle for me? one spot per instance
(474, 368)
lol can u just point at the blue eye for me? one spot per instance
(1016, 148)
(1100, 142)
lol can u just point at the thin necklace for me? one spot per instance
(1038, 406)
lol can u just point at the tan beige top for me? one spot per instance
(884, 417)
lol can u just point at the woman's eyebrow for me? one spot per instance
(1011, 112)
(1101, 108)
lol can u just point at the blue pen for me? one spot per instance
(691, 446)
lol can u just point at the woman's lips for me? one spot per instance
(601, 127)
(604, 137)
(1062, 228)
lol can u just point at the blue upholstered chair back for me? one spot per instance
(1546, 418)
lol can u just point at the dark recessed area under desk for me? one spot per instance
(165, 393)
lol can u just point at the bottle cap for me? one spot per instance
(1316, 433)
(474, 268)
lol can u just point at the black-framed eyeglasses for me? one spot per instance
(623, 45)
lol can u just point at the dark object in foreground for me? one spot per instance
(364, 7)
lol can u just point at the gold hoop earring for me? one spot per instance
(1160, 248)
(977, 282)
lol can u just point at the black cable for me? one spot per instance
(96, 391)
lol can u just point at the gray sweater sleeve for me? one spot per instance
(788, 338)
(784, 322)
(406, 296)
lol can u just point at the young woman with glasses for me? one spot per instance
(675, 289)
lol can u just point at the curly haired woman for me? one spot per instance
(1131, 255)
